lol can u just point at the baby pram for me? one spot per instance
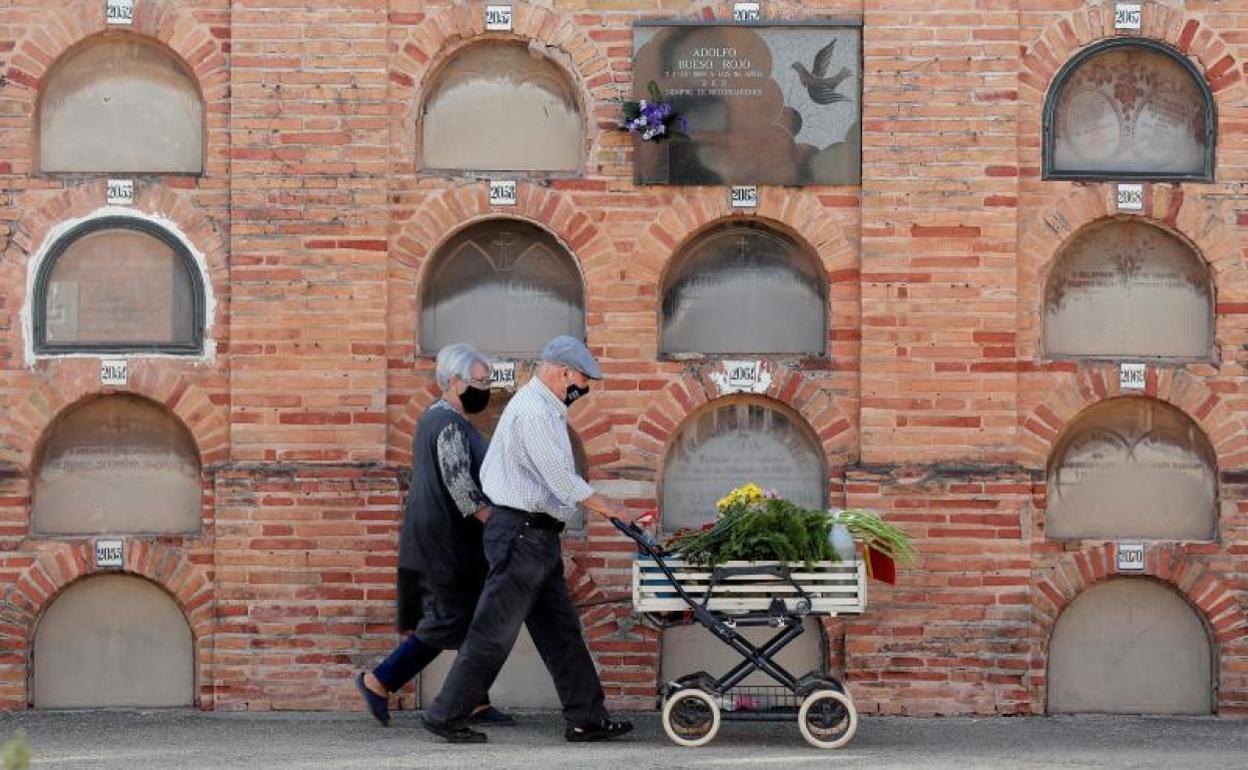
(668, 592)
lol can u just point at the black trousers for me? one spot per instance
(525, 585)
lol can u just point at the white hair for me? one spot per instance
(457, 361)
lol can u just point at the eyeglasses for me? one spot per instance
(480, 382)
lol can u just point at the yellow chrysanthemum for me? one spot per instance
(748, 494)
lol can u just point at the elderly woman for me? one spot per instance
(441, 564)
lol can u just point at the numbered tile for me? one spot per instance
(744, 197)
(1130, 197)
(1127, 16)
(742, 374)
(119, 12)
(110, 554)
(498, 18)
(1130, 557)
(503, 375)
(114, 372)
(1132, 376)
(746, 12)
(503, 193)
(120, 192)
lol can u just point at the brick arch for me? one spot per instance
(77, 380)
(421, 43)
(1194, 219)
(155, 201)
(201, 46)
(417, 241)
(671, 407)
(1190, 35)
(684, 214)
(690, 211)
(1210, 593)
(56, 566)
(1092, 384)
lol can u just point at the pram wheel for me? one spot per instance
(827, 719)
(691, 717)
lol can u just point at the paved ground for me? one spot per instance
(187, 740)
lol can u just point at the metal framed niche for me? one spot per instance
(1129, 109)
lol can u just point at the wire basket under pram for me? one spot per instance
(669, 592)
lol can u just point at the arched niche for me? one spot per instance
(1122, 287)
(1129, 108)
(1130, 646)
(1132, 467)
(727, 443)
(734, 441)
(118, 285)
(117, 464)
(503, 285)
(743, 288)
(121, 103)
(113, 640)
(501, 106)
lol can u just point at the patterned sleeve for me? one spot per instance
(455, 464)
(546, 443)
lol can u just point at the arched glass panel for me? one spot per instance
(1126, 288)
(1132, 467)
(121, 104)
(733, 443)
(1129, 108)
(1130, 646)
(113, 641)
(506, 287)
(742, 288)
(118, 285)
(115, 465)
(501, 107)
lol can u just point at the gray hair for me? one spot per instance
(457, 361)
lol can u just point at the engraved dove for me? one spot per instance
(820, 87)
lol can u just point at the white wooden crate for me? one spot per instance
(834, 588)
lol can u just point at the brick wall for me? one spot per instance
(934, 404)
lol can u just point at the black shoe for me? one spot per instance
(454, 734)
(492, 717)
(378, 706)
(598, 731)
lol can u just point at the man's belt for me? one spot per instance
(537, 520)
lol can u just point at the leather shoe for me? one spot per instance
(378, 706)
(598, 731)
(459, 734)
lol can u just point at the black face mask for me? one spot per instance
(573, 393)
(474, 399)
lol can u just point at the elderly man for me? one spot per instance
(531, 479)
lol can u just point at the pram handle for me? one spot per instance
(647, 544)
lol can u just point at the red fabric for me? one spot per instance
(881, 566)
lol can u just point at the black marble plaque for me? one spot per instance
(776, 105)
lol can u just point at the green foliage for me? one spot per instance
(771, 530)
(873, 531)
(758, 525)
(15, 753)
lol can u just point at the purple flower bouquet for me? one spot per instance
(653, 119)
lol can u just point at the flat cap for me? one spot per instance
(569, 351)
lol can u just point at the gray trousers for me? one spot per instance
(525, 585)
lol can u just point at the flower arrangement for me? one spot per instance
(757, 524)
(653, 119)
